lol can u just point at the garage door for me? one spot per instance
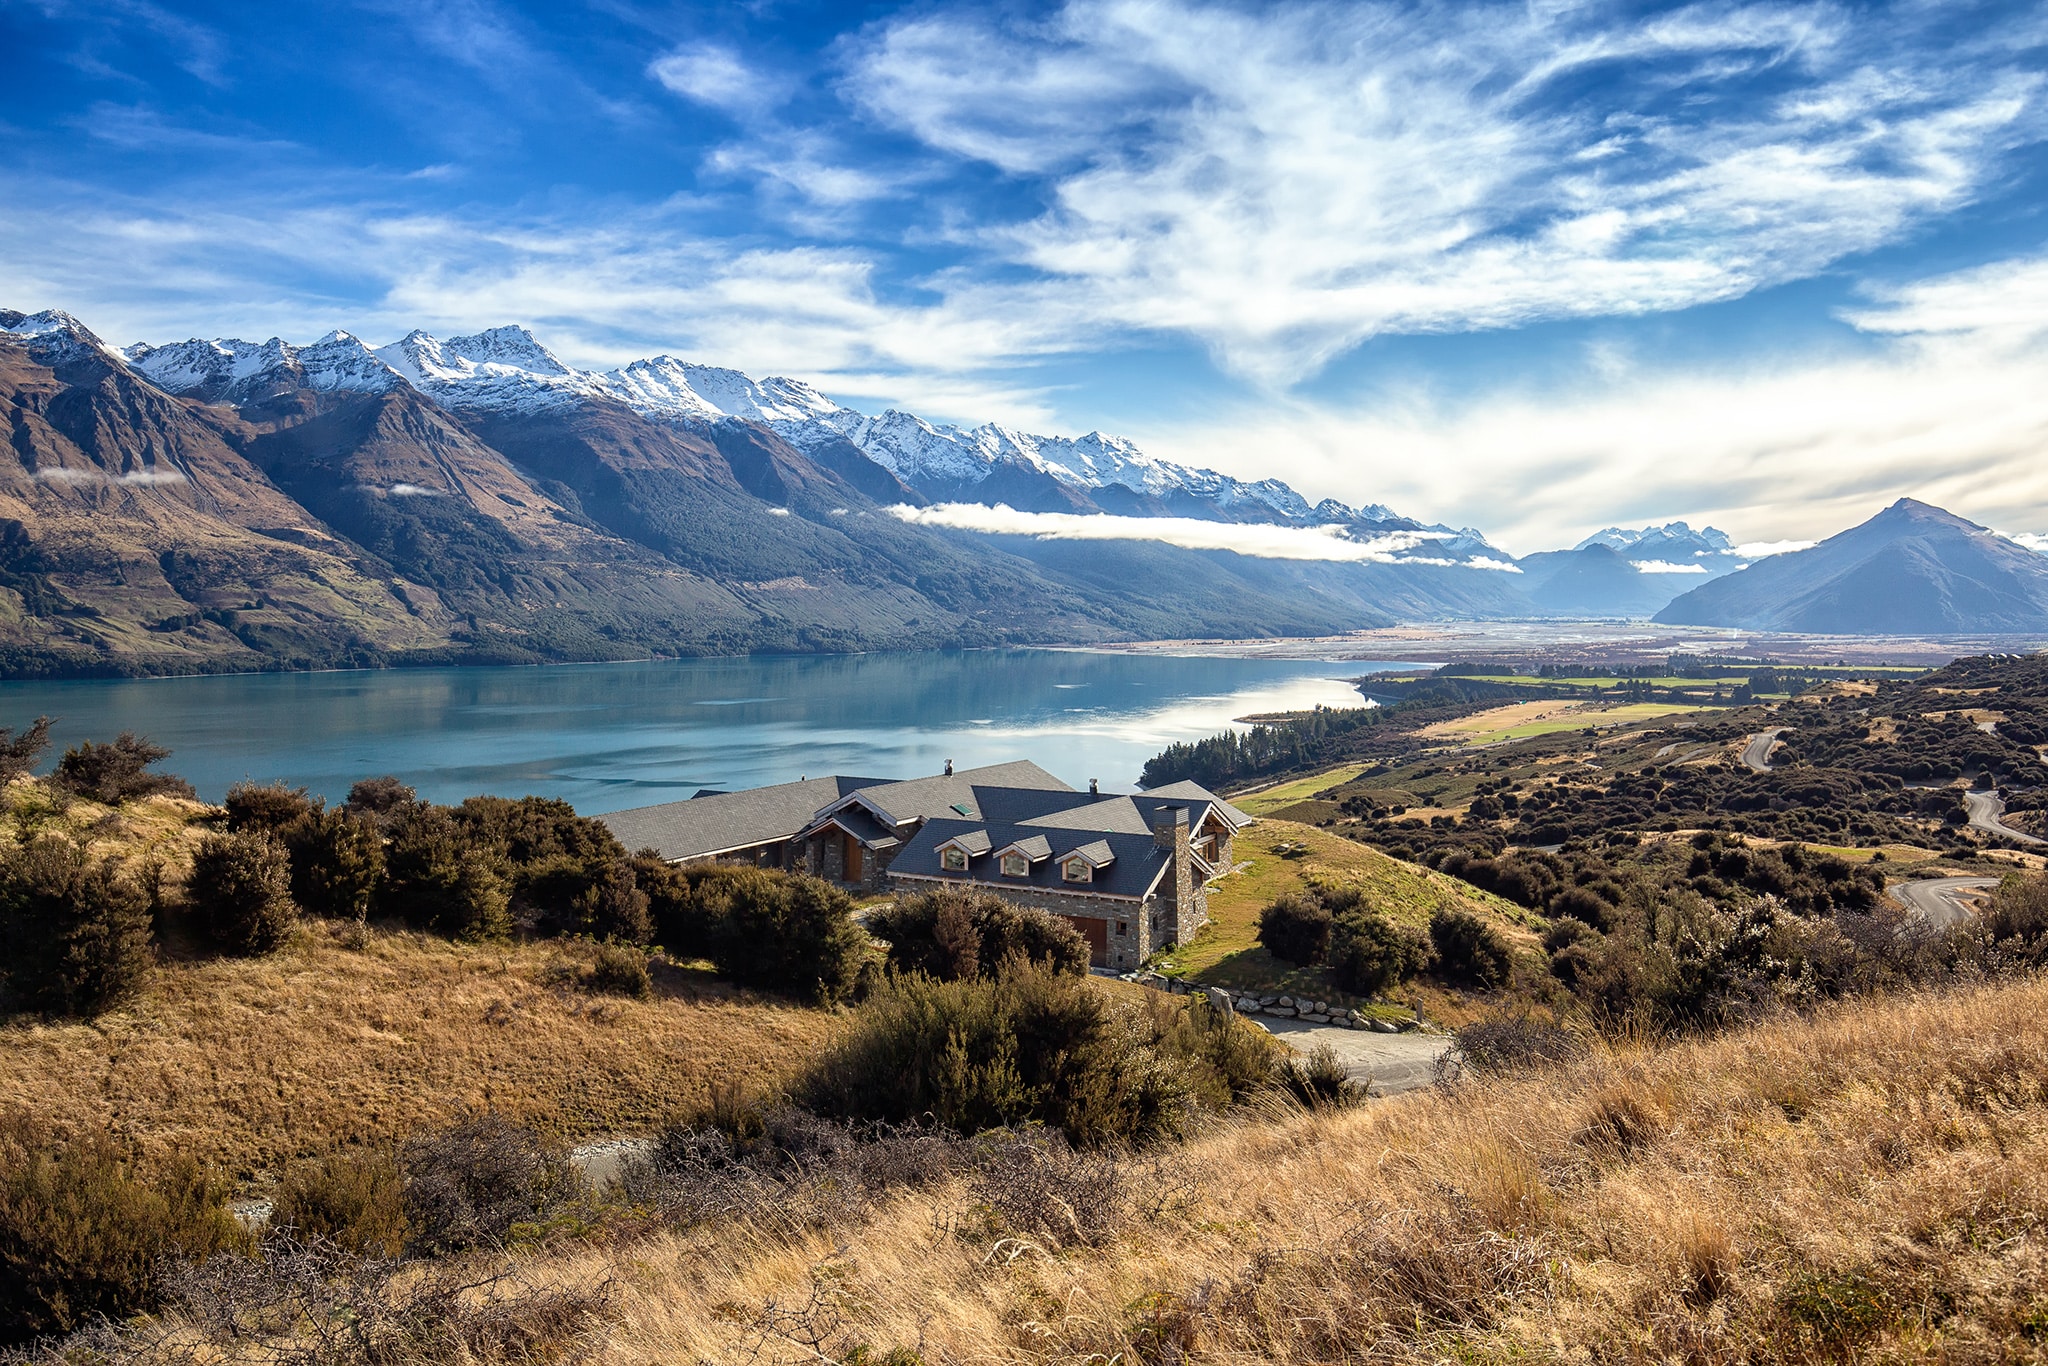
(1096, 932)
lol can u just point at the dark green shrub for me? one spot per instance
(552, 858)
(1565, 932)
(82, 1234)
(434, 879)
(1240, 1057)
(1369, 953)
(619, 971)
(270, 807)
(356, 1200)
(794, 934)
(682, 925)
(473, 1184)
(1582, 904)
(337, 862)
(381, 799)
(953, 934)
(241, 891)
(1031, 1046)
(77, 931)
(1296, 929)
(117, 771)
(2015, 923)
(1469, 951)
(612, 906)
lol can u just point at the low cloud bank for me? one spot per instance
(1667, 567)
(1258, 540)
(1758, 550)
(2033, 540)
(143, 478)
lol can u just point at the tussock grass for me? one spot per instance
(1868, 1184)
(251, 1063)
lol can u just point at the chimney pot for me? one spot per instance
(1094, 787)
(949, 768)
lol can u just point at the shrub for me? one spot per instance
(381, 799)
(356, 1200)
(1296, 929)
(789, 933)
(680, 923)
(471, 1185)
(435, 880)
(272, 807)
(2015, 923)
(619, 971)
(955, 934)
(1031, 1046)
(82, 1234)
(117, 771)
(1369, 953)
(1320, 1082)
(1508, 1043)
(241, 889)
(1469, 951)
(77, 931)
(19, 753)
(1566, 931)
(612, 906)
(337, 863)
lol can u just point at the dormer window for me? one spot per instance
(953, 860)
(1016, 865)
(1077, 870)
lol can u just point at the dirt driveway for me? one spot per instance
(1392, 1062)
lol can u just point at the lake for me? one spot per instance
(606, 736)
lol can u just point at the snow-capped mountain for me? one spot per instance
(54, 337)
(1674, 544)
(508, 369)
(238, 370)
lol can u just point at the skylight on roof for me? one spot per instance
(964, 809)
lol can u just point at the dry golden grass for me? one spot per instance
(250, 1063)
(1871, 1184)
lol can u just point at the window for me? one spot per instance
(953, 860)
(1123, 927)
(1077, 870)
(1016, 865)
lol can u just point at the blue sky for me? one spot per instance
(1536, 268)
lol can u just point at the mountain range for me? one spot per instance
(224, 504)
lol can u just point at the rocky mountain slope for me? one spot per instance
(1910, 569)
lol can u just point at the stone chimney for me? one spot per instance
(1095, 787)
(1170, 832)
(949, 768)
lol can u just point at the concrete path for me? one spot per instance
(1940, 901)
(1757, 753)
(1393, 1062)
(1986, 810)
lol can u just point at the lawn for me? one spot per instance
(1600, 717)
(1271, 799)
(1227, 950)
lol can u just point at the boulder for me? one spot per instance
(1384, 1028)
(1316, 1018)
(1247, 1006)
(1284, 1012)
(1220, 999)
(1286, 1002)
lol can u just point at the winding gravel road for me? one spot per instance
(1757, 753)
(1393, 1062)
(1941, 901)
(1986, 811)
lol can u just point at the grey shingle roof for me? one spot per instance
(1098, 853)
(923, 798)
(1034, 848)
(729, 820)
(1135, 861)
(1192, 791)
(975, 842)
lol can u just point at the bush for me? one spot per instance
(472, 1185)
(241, 888)
(356, 1200)
(1508, 1043)
(19, 753)
(381, 799)
(272, 807)
(434, 879)
(612, 906)
(1296, 929)
(679, 922)
(1469, 951)
(117, 771)
(1369, 953)
(619, 971)
(2015, 923)
(337, 864)
(82, 1234)
(955, 934)
(1321, 1082)
(77, 931)
(1031, 1046)
(787, 933)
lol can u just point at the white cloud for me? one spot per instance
(412, 491)
(1666, 567)
(1758, 550)
(1488, 562)
(715, 75)
(1283, 183)
(1245, 538)
(2032, 540)
(149, 477)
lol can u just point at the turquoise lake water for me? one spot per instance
(606, 736)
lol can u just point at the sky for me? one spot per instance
(1534, 268)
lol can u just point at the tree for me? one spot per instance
(794, 934)
(117, 771)
(1369, 952)
(19, 753)
(77, 931)
(435, 880)
(241, 888)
